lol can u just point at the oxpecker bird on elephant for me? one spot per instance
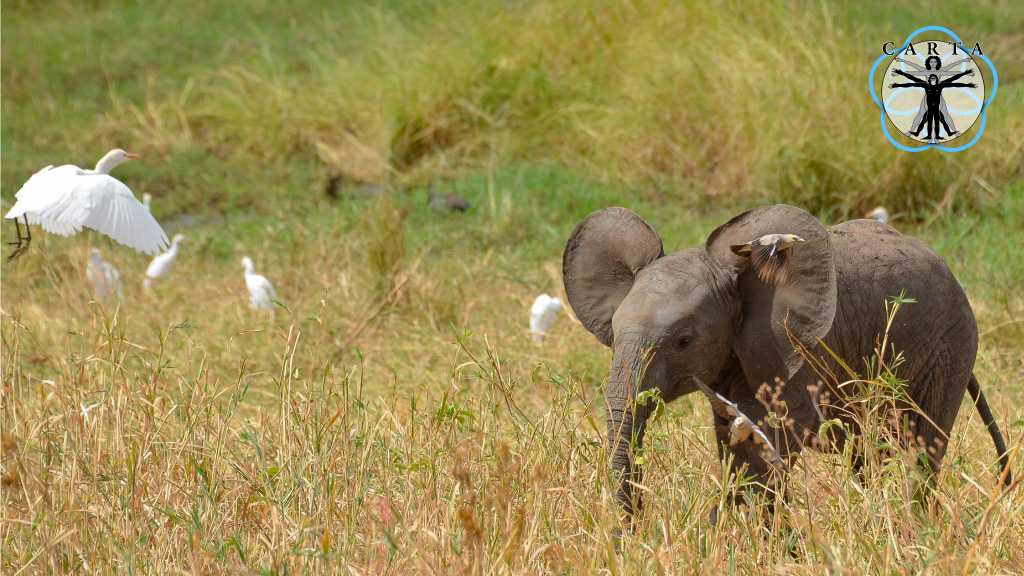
(773, 299)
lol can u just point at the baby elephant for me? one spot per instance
(759, 305)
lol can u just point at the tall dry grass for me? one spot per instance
(166, 436)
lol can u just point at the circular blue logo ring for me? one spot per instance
(885, 128)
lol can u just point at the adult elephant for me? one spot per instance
(709, 316)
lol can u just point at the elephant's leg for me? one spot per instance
(926, 425)
(937, 401)
(929, 443)
(859, 462)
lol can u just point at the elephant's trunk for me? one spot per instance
(626, 422)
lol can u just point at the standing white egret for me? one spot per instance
(880, 214)
(161, 265)
(542, 316)
(261, 291)
(105, 279)
(63, 200)
(147, 201)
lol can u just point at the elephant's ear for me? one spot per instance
(602, 258)
(803, 307)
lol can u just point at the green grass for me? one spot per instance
(352, 431)
(402, 93)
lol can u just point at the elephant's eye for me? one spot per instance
(684, 340)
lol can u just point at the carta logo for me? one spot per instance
(933, 91)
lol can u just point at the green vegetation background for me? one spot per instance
(537, 112)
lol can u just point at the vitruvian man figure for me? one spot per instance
(933, 65)
(933, 107)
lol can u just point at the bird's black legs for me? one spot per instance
(18, 228)
(23, 242)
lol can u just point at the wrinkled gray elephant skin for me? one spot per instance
(703, 313)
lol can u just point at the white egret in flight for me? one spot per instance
(65, 199)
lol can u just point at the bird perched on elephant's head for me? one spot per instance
(769, 256)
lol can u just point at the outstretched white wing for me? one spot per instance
(42, 189)
(52, 226)
(105, 204)
(64, 200)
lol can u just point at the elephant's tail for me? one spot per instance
(993, 429)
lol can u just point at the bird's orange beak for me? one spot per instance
(132, 156)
